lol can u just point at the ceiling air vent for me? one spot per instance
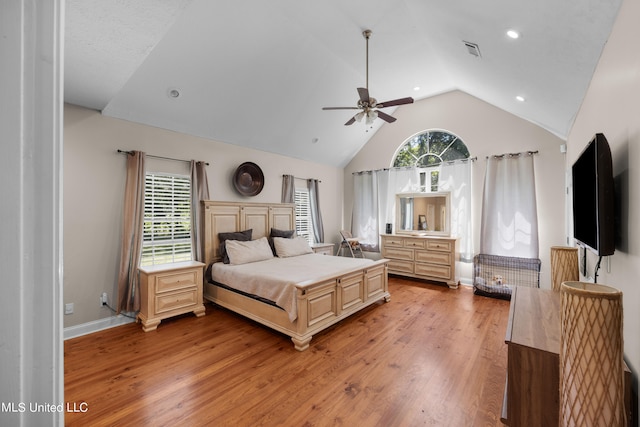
(472, 48)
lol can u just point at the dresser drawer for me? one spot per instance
(433, 270)
(433, 257)
(179, 280)
(398, 253)
(414, 243)
(400, 266)
(440, 245)
(392, 241)
(172, 301)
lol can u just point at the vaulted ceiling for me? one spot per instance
(257, 73)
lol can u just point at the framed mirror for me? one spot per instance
(423, 213)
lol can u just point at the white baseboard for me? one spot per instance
(96, 325)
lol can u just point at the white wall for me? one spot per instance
(94, 179)
(612, 107)
(486, 130)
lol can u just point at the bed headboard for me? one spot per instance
(224, 217)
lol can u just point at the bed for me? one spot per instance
(318, 290)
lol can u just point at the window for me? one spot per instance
(303, 214)
(430, 148)
(167, 219)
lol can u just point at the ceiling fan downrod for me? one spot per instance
(367, 34)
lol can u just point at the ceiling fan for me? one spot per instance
(368, 105)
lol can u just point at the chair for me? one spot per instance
(351, 243)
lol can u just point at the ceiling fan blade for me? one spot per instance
(364, 94)
(399, 101)
(340, 108)
(384, 116)
(351, 121)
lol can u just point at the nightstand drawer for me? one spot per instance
(179, 280)
(173, 301)
(322, 248)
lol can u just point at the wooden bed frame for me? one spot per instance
(321, 302)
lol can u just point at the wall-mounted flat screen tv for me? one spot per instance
(593, 197)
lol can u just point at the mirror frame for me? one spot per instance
(445, 194)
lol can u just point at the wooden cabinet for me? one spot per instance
(425, 257)
(323, 248)
(169, 290)
(222, 217)
(532, 392)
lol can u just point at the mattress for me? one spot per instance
(277, 279)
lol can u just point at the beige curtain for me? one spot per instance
(288, 189)
(199, 191)
(131, 240)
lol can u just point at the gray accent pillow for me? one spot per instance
(242, 236)
(287, 234)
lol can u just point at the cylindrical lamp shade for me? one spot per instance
(564, 266)
(591, 356)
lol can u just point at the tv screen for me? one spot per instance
(593, 197)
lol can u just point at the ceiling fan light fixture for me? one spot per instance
(371, 117)
(359, 116)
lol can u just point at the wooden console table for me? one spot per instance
(532, 392)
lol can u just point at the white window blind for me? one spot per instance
(167, 219)
(303, 214)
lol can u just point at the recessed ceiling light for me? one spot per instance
(173, 93)
(520, 98)
(513, 34)
(417, 88)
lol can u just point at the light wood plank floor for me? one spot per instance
(432, 356)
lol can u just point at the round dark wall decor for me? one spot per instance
(248, 179)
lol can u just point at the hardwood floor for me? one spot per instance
(432, 356)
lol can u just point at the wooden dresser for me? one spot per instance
(532, 392)
(169, 290)
(424, 257)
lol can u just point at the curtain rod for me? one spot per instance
(295, 177)
(158, 157)
(448, 162)
(502, 156)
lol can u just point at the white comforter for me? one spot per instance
(276, 279)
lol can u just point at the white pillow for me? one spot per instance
(240, 252)
(291, 247)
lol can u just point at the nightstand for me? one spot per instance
(323, 248)
(168, 290)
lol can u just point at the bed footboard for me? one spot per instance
(320, 304)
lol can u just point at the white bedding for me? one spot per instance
(276, 279)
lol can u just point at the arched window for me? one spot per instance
(430, 148)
